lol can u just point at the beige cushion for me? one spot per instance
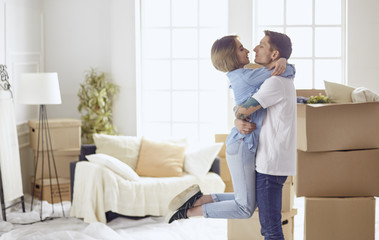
(160, 159)
(338, 93)
(124, 148)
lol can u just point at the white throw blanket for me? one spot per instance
(98, 190)
(362, 94)
(9, 151)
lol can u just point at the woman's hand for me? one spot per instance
(279, 68)
(244, 127)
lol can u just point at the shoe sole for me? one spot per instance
(169, 216)
(183, 197)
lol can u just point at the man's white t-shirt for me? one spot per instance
(276, 154)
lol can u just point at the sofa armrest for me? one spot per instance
(216, 166)
(85, 149)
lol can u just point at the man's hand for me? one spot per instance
(245, 110)
(279, 68)
(244, 127)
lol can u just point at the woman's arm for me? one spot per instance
(279, 68)
(259, 75)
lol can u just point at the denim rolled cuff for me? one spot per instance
(204, 206)
(214, 197)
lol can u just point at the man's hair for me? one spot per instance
(224, 54)
(280, 42)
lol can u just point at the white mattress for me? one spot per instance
(98, 190)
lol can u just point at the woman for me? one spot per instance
(229, 55)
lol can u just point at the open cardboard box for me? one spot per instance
(332, 126)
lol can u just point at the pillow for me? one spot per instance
(199, 159)
(124, 148)
(338, 93)
(160, 159)
(115, 165)
(362, 94)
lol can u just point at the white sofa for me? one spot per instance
(101, 192)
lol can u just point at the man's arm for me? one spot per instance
(245, 110)
(244, 127)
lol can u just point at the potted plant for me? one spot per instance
(95, 105)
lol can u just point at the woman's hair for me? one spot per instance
(280, 42)
(224, 54)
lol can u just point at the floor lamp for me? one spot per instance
(42, 89)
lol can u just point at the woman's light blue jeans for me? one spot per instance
(269, 199)
(242, 203)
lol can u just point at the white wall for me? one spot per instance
(23, 33)
(2, 31)
(92, 33)
(77, 37)
(362, 44)
(123, 65)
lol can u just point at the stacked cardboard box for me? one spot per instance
(65, 141)
(242, 229)
(338, 169)
(51, 192)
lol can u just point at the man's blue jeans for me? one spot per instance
(269, 200)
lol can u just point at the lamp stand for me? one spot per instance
(44, 144)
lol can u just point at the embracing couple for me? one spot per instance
(261, 148)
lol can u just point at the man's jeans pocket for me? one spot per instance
(281, 179)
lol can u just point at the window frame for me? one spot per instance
(198, 91)
(313, 26)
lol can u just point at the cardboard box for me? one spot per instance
(339, 218)
(224, 169)
(309, 92)
(221, 138)
(288, 194)
(331, 127)
(62, 158)
(247, 229)
(51, 189)
(64, 133)
(338, 173)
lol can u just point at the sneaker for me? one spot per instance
(186, 199)
(177, 215)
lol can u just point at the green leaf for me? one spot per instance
(95, 104)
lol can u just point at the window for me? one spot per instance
(317, 31)
(181, 92)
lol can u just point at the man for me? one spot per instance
(276, 154)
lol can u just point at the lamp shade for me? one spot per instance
(38, 88)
